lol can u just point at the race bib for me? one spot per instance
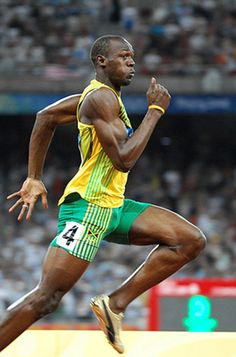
(70, 235)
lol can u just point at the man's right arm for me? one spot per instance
(59, 113)
(101, 108)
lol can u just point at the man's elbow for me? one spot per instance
(123, 169)
(123, 166)
(44, 118)
(41, 115)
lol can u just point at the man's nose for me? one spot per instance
(131, 62)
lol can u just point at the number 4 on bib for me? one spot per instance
(70, 235)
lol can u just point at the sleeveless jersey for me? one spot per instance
(97, 180)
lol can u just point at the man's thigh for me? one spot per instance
(157, 225)
(61, 270)
(130, 211)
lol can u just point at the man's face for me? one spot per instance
(120, 63)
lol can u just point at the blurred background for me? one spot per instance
(189, 165)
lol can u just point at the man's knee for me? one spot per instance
(195, 243)
(44, 303)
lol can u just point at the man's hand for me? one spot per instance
(158, 95)
(29, 194)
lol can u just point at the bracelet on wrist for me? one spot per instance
(157, 107)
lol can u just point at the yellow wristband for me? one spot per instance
(153, 106)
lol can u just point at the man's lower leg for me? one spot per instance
(161, 263)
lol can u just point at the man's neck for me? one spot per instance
(106, 81)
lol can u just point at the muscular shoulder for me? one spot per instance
(101, 103)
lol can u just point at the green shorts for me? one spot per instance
(83, 225)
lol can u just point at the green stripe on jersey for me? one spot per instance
(100, 169)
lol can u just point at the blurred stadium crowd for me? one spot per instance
(52, 38)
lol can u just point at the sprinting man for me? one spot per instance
(93, 206)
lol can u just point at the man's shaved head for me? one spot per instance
(102, 45)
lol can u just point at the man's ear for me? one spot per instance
(101, 61)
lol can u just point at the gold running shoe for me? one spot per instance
(109, 321)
